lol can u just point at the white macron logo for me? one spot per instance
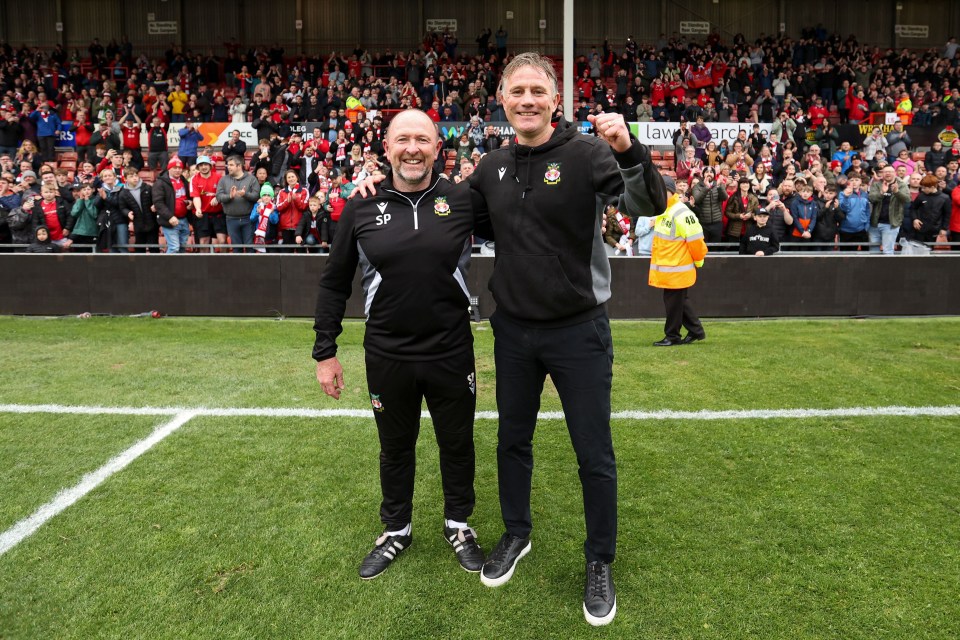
(382, 206)
(501, 171)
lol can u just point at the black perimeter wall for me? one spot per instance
(268, 285)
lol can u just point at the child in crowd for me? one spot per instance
(42, 243)
(82, 226)
(263, 215)
(829, 218)
(805, 211)
(312, 229)
(759, 239)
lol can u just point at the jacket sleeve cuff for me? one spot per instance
(638, 153)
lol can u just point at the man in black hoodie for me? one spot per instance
(551, 282)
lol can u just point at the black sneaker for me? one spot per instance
(599, 596)
(386, 551)
(464, 543)
(498, 568)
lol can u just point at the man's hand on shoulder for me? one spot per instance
(367, 187)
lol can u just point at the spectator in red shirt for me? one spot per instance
(434, 111)
(130, 134)
(82, 130)
(211, 225)
(858, 109)
(817, 112)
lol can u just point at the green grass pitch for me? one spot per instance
(253, 527)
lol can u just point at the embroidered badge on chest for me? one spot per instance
(552, 176)
(440, 206)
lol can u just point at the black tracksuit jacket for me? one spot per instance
(545, 204)
(413, 251)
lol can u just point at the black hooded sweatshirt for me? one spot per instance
(545, 204)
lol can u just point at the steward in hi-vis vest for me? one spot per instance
(678, 251)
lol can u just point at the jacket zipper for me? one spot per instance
(415, 205)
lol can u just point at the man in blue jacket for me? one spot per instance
(48, 126)
(856, 206)
(190, 139)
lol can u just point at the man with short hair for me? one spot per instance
(234, 146)
(237, 192)
(889, 197)
(409, 263)
(157, 150)
(551, 282)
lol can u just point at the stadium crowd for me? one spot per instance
(815, 188)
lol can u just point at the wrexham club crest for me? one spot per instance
(552, 176)
(375, 402)
(440, 206)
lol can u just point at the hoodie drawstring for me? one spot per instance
(516, 170)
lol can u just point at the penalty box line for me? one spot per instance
(67, 497)
(181, 416)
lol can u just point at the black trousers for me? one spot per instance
(712, 232)
(397, 389)
(680, 314)
(147, 237)
(860, 236)
(579, 359)
(47, 148)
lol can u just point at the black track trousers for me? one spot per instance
(397, 388)
(680, 313)
(579, 359)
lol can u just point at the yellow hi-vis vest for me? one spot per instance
(678, 247)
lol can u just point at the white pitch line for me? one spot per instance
(92, 410)
(28, 526)
(666, 414)
(89, 482)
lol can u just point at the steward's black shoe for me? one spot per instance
(386, 551)
(687, 339)
(667, 342)
(501, 562)
(464, 543)
(599, 596)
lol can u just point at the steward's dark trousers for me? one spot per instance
(579, 359)
(397, 389)
(680, 314)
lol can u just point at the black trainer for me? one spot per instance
(464, 543)
(498, 568)
(386, 551)
(599, 596)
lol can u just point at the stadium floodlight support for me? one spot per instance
(568, 60)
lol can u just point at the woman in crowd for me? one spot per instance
(741, 205)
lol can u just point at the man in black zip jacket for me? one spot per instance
(412, 242)
(551, 282)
